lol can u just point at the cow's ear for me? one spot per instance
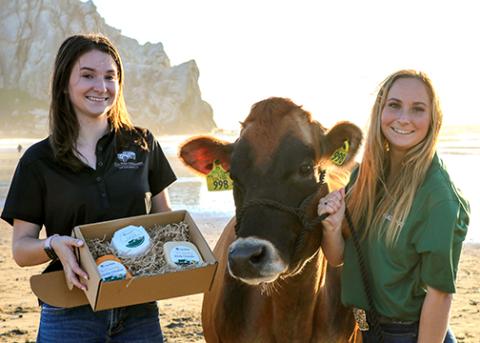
(342, 143)
(200, 152)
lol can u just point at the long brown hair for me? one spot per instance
(369, 199)
(64, 126)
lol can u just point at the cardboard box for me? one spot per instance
(52, 289)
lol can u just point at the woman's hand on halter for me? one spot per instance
(64, 248)
(332, 242)
(333, 204)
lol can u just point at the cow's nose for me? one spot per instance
(254, 260)
(247, 258)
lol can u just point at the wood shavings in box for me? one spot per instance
(153, 261)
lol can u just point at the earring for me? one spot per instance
(386, 146)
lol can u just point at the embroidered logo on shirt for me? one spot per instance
(126, 156)
(127, 160)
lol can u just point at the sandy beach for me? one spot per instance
(180, 317)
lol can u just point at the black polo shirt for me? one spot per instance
(46, 193)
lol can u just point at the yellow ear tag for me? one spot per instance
(218, 179)
(340, 155)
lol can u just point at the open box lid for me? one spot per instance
(51, 288)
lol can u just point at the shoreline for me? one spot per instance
(457, 148)
(180, 317)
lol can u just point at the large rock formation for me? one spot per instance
(163, 98)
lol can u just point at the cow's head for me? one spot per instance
(278, 157)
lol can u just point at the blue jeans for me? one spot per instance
(137, 323)
(401, 333)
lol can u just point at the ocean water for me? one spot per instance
(461, 154)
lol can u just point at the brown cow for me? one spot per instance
(273, 283)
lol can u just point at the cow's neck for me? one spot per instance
(296, 299)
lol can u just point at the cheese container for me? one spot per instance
(111, 268)
(131, 241)
(182, 253)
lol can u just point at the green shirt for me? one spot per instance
(426, 253)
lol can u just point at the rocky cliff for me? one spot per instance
(159, 96)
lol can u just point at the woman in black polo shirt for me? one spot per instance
(94, 166)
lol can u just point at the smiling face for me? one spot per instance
(405, 119)
(93, 84)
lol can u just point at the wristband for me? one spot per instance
(47, 247)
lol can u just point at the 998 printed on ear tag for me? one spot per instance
(219, 179)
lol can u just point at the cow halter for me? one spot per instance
(298, 212)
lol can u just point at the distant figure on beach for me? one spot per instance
(19, 148)
(410, 220)
(94, 166)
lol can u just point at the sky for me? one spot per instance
(328, 56)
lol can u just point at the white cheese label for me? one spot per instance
(112, 270)
(131, 241)
(181, 255)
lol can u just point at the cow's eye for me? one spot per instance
(306, 169)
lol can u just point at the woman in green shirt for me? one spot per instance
(410, 218)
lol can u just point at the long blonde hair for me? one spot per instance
(369, 200)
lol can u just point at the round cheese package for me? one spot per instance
(131, 241)
(111, 268)
(182, 253)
